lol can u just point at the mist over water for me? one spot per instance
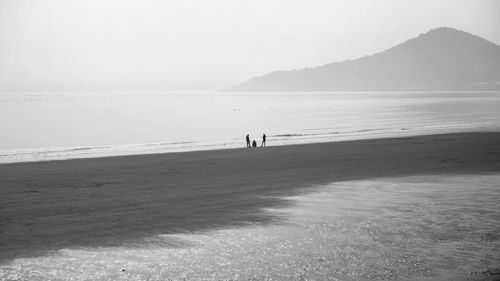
(71, 125)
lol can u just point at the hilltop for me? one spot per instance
(440, 59)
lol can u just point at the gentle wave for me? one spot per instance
(60, 153)
(335, 132)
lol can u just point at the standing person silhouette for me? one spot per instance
(248, 140)
(263, 140)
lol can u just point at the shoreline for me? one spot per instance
(28, 155)
(111, 201)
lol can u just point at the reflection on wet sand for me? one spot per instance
(418, 228)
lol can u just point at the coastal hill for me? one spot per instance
(440, 59)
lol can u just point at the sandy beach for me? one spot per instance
(47, 206)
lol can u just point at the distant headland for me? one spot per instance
(440, 59)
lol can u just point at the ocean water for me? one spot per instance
(412, 228)
(47, 126)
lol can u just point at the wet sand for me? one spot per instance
(100, 202)
(411, 228)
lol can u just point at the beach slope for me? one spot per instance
(110, 201)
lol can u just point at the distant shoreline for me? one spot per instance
(104, 151)
(114, 200)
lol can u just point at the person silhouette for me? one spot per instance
(254, 143)
(263, 140)
(248, 140)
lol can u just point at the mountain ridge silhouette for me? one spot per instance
(443, 58)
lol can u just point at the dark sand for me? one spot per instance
(110, 201)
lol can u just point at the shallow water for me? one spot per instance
(413, 228)
(73, 125)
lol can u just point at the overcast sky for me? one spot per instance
(71, 45)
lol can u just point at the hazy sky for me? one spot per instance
(72, 45)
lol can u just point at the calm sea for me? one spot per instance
(38, 126)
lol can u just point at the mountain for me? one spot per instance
(440, 59)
